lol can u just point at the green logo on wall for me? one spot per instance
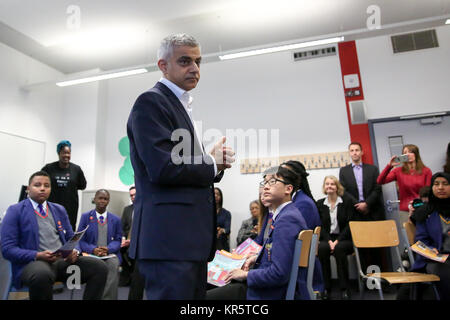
(126, 172)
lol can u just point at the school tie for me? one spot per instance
(101, 219)
(41, 209)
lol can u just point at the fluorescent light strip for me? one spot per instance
(280, 48)
(101, 77)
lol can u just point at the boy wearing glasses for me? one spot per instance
(269, 277)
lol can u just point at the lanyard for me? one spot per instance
(40, 215)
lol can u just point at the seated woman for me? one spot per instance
(103, 238)
(223, 222)
(335, 238)
(433, 229)
(249, 227)
(268, 279)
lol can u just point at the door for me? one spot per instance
(430, 134)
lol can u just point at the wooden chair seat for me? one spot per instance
(405, 277)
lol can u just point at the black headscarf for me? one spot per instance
(442, 206)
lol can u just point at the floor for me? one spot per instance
(335, 294)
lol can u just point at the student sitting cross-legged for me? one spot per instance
(103, 238)
(267, 275)
(31, 231)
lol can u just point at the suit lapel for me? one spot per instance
(95, 229)
(365, 175)
(176, 103)
(109, 227)
(57, 221)
(29, 210)
(352, 177)
(179, 110)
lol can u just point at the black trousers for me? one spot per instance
(342, 249)
(174, 280)
(137, 284)
(442, 270)
(39, 276)
(233, 291)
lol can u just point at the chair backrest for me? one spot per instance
(300, 259)
(410, 229)
(305, 236)
(374, 234)
(314, 248)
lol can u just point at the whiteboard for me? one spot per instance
(20, 157)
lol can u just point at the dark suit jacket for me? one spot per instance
(126, 220)
(345, 213)
(174, 215)
(20, 234)
(371, 190)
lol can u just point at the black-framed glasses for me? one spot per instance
(271, 182)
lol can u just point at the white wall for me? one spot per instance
(405, 83)
(35, 114)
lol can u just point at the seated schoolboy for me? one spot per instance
(269, 277)
(103, 239)
(31, 231)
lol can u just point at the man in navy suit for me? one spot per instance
(31, 231)
(174, 214)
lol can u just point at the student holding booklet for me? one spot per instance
(267, 275)
(32, 231)
(433, 229)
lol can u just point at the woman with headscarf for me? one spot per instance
(66, 179)
(433, 229)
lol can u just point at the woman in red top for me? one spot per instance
(410, 177)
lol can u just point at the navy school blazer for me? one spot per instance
(430, 233)
(20, 234)
(268, 280)
(89, 241)
(174, 208)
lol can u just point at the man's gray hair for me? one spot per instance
(168, 43)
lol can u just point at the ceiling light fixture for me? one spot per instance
(280, 48)
(101, 77)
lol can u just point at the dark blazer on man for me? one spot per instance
(174, 215)
(345, 213)
(371, 190)
(127, 218)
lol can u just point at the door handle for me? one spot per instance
(389, 202)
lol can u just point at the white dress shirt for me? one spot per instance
(334, 228)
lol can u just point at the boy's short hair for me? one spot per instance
(39, 174)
